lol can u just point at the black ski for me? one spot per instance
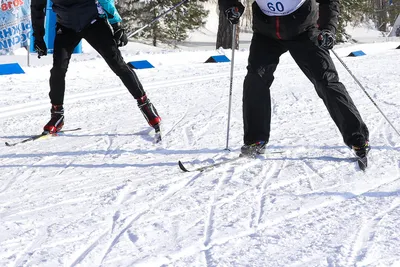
(157, 136)
(40, 136)
(210, 166)
(362, 159)
(362, 163)
(226, 161)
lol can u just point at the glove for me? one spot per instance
(40, 47)
(326, 39)
(120, 36)
(234, 13)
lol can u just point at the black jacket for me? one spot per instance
(306, 18)
(73, 14)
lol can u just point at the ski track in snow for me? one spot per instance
(366, 235)
(108, 196)
(270, 174)
(131, 219)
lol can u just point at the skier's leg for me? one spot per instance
(318, 66)
(100, 37)
(262, 63)
(64, 44)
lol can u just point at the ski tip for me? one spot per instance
(8, 144)
(182, 167)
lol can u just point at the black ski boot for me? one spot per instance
(57, 120)
(362, 152)
(254, 149)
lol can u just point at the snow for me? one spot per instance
(108, 196)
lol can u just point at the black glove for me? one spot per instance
(234, 13)
(40, 47)
(120, 36)
(326, 39)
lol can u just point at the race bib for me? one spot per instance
(279, 7)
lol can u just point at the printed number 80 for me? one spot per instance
(278, 6)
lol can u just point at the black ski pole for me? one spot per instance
(156, 18)
(231, 83)
(362, 87)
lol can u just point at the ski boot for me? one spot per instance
(253, 149)
(57, 120)
(151, 115)
(361, 153)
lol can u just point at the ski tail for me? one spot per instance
(41, 136)
(209, 166)
(362, 163)
(225, 161)
(157, 136)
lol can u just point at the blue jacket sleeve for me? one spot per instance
(110, 11)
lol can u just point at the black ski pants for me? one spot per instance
(317, 65)
(100, 37)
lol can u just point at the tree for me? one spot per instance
(246, 21)
(350, 11)
(187, 17)
(128, 11)
(225, 29)
(381, 12)
(171, 28)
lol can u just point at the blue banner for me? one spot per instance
(15, 25)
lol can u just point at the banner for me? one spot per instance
(15, 25)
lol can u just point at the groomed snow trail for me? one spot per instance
(108, 196)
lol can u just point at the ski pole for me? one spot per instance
(231, 83)
(156, 18)
(362, 87)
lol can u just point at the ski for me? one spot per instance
(157, 136)
(226, 161)
(210, 166)
(362, 162)
(41, 136)
(362, 159)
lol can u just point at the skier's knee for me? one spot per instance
(58, 71)
(263, 73)
(260, 78)
(120, 69)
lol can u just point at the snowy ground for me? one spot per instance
(108, 196)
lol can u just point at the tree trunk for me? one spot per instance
(224, 35)
(154, 40)
(154, 30)
(381, 15)
(246, 21)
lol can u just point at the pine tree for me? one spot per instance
(128, 11)
(187, 17)
(171, 28)
(350, 11)
(382, 12)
